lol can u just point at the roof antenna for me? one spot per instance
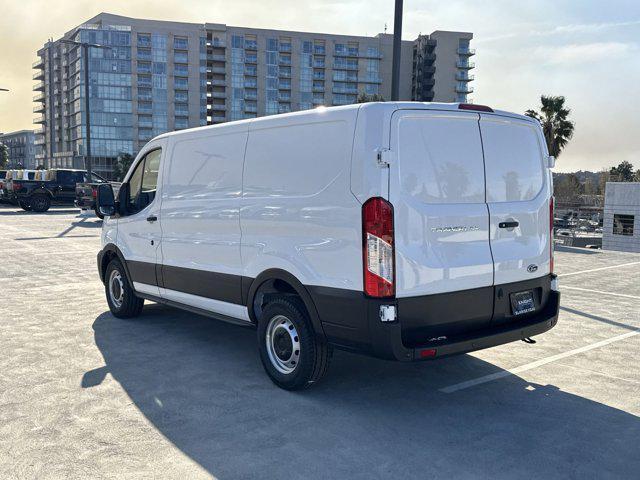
(385, 27)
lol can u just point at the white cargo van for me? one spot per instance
(406, 231)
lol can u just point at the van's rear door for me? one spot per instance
(518, 194)
(437, 189)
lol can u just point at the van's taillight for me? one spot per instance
(377, 233)
(17, 185)
(94, 192)
(551, 202)
(476, 107)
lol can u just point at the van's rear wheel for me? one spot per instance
(26, 206)
(121, 298)
(98, 214)
(291, 354)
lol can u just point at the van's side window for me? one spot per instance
(144, 182)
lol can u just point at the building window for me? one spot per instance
(623, 224)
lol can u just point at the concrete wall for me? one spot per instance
(621, 198)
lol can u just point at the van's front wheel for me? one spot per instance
(291, 354)
(121, 298)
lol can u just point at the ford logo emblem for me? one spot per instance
(532, 268)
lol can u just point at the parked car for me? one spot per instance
(58, 187)
(86, 193)
(15, 174)
(405, 231)
(3, 176)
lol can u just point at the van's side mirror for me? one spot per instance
(551, 161)
(105, 200)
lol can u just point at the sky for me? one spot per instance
(588, 51)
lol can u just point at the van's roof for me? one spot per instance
(381, 107)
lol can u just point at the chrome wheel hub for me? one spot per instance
(116, 288)
(283, 344)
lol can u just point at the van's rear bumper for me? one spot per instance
(388, 338)
(385, 339)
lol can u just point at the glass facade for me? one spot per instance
(237, 77)
(271, 86)
(306, 75)
(110, 96)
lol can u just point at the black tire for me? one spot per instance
(40, 202)
(25, 206)
(313, 357)
(126, 305)
(98, 214)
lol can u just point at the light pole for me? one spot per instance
(4, 89)
(85, 46)
(397, 50)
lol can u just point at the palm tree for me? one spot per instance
(557, 129)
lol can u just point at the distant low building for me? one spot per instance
(21, 147)
(621, 226)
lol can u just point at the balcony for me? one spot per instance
(465, 65)
(464, 77)
(38, 63)
(319, 50)
(250, 96)
(318, 75)
(347, 52)
(466, 51)
(318, 101)
(39, 119)
(285, 47)
(345, 66)
(251, 59)
(39, 108)
(218, 107)
(216, 43)
(353, 91)
(286, 61)
(252, 72)
(40, 140)
(284, 86)
(250, 45)
(39, 75)
(282, 74)
(217, 82)
(370, 80)
(251, 108)
(39, 97)
(217, 58)
(318, 89)
(429, 57)
(464, 89)
(218, 118)
(218, 95)
(284, 98)
(371, 55)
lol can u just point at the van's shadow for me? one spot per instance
(200, 383)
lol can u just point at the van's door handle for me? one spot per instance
(512, 224)
(152, 218)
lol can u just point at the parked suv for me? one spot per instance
(405, 231)
(57, 187)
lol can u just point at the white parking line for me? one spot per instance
(563, 287)
(597, 269)
(537, 363)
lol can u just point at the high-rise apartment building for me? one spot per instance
(20, 148)
(154, 76)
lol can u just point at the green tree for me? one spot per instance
(568, 188)
(4, 155)
(622, 173)
(121, 166)
(365, 98)
(553, 117)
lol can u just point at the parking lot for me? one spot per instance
(174, 395)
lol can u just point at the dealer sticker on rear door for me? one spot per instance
(522, 302)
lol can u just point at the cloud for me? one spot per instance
(562, 30)
(577, 54)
